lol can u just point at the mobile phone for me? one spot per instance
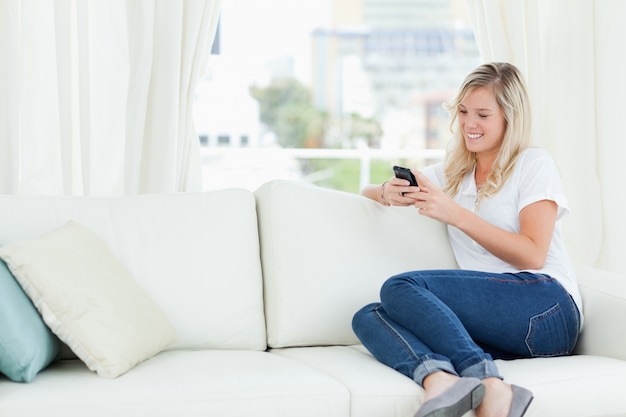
(405, 174)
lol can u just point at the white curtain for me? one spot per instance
(96, 96)
(573, 56)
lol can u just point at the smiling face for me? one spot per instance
(482, 122)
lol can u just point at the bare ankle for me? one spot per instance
(436, 383)
(497, 400)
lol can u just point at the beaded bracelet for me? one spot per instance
(382, 194)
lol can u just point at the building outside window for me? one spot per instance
(303, 83)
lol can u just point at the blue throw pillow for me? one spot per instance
(26, 344)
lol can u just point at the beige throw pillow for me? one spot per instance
(89, 299)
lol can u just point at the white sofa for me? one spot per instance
(261, 288)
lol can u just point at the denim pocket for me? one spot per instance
(548, 334)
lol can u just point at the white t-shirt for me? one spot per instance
(535, 177)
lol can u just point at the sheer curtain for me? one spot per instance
(571, 54)
(96, 96)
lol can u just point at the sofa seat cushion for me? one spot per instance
(376, 390)
(571, 386)
(195, 254)
(182, 383)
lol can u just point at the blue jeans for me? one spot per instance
(459, 321)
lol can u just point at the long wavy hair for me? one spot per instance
(506, 83)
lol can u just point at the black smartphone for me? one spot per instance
(405, 174)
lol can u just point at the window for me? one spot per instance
(223, 140)
(333, 92)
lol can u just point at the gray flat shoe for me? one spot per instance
(521, 400)
(465, 395)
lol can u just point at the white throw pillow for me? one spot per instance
(89, 299)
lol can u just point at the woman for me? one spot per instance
(515, 294)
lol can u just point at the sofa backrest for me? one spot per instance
(195, 254)
(325, 254)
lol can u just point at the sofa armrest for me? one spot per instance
(604, 307)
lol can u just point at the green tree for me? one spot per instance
(366, 128)
(287, 109)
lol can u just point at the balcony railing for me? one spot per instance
(364, 155)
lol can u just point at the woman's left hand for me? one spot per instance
(433, 202)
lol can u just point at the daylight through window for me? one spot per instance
(332, 92)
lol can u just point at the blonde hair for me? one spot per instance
(507, 85)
